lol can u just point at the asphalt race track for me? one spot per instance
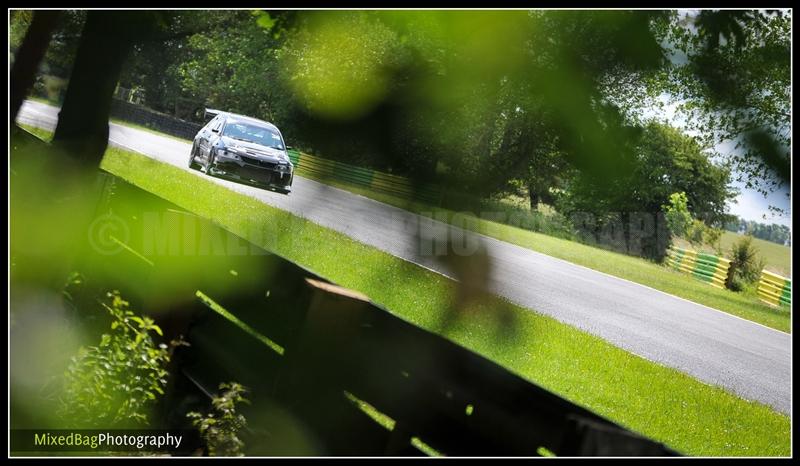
(746, 358)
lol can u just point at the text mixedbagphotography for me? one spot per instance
(174, 233)
(103, 440)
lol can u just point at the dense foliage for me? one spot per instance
(116, 383)
(682, 224)
(221, 427)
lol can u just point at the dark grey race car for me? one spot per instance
(243, 149)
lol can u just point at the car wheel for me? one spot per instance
(192, 164)
(210, 162)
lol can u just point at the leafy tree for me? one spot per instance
(730, 79)
(666, 162)
(681, 223)
(679, 219)
(63, 43)
(232, 68)
(746, 266)
(18, 23)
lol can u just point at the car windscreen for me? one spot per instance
(253, 133)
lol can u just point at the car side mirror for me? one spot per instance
(289, 148)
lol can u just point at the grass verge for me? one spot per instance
(659, 402)
(38, 132)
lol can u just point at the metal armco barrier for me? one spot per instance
(157, 121)
(312, 353)
(774, 289)
(706, 267)
(317, 167)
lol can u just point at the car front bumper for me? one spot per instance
(251, 173)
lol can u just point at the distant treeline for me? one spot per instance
(776, 233)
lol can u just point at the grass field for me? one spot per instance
(662, 403)
(39, 132)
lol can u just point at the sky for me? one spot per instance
(749, 204)
(753, 205)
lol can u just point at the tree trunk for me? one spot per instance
(533, 196)
(107, 39)
(29, 55)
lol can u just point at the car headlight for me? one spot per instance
(230, 152)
